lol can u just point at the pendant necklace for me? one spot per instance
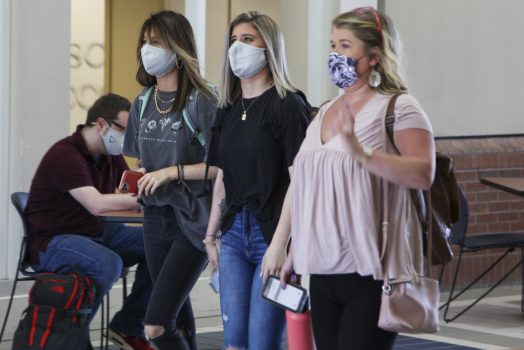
(244, 109)
(244, 114)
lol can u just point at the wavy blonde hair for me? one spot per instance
(269, 31)
(379, 35)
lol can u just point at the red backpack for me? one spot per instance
(58, 315)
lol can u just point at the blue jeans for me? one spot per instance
(102, 259)
(249, 320)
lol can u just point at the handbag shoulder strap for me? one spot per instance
(389, 121)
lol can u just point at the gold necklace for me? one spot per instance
(157, 98)
(244, 113)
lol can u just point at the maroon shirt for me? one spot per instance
(51, 210)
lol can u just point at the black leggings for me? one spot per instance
(175, 265)
(344, 311)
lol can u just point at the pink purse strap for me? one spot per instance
(385, 208)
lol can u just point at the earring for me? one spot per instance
(179, 64)
(374, 78)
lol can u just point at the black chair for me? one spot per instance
(23, 270)
(472, 244)
(25, 273)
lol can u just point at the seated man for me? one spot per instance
(74, 183)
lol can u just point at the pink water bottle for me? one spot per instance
(299, 331)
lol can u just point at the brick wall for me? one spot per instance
(491, 210)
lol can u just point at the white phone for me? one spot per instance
(213, 281)
(293, 297)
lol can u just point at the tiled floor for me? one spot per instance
(495, 324)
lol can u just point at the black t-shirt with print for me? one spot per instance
(255, 154)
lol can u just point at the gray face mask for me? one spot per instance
(113, 141)
(246, 60)
(157, 61)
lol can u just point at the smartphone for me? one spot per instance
(213, 281)
(129, 181)
(293, 298)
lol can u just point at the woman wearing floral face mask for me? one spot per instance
(168, 130)
(260, 124)
(336, 197)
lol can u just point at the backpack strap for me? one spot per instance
(198, 134)
(143, 99)
(390, 119)
(185, 113)
(275, 108)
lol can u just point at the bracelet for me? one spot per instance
(181, 172)
(210, 243)
(178, 171)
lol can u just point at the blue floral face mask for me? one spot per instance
(342, 70)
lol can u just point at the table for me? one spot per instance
(122, 217)
(514, 185)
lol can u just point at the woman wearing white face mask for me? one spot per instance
(259, 127)
(168, 130)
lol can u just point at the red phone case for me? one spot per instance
(129, 181)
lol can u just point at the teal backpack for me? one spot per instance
(144, 98)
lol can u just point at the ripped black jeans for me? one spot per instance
(175, 265)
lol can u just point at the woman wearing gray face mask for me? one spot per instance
(260, 124)
(172, 150)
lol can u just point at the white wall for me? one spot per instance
(38, 112)
(295, 40)
(87, 57)
(321, 13)
(5, 34)
(464, 62)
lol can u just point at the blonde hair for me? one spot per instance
(230, 88)
(376, 30)
(175, 30)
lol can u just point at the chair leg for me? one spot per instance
(453, 297)
(453, 284)
(124, 288)
(522, 283)
(15, 282)
(443, 267)
(106, 331)
(19, 266)
(102, 321)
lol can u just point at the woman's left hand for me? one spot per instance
(287, 270)
(151, 181)
(273, 260)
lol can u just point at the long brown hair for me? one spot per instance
(175, 30)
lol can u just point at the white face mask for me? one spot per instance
(113, 141)
(157, 61)
(246, 60)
